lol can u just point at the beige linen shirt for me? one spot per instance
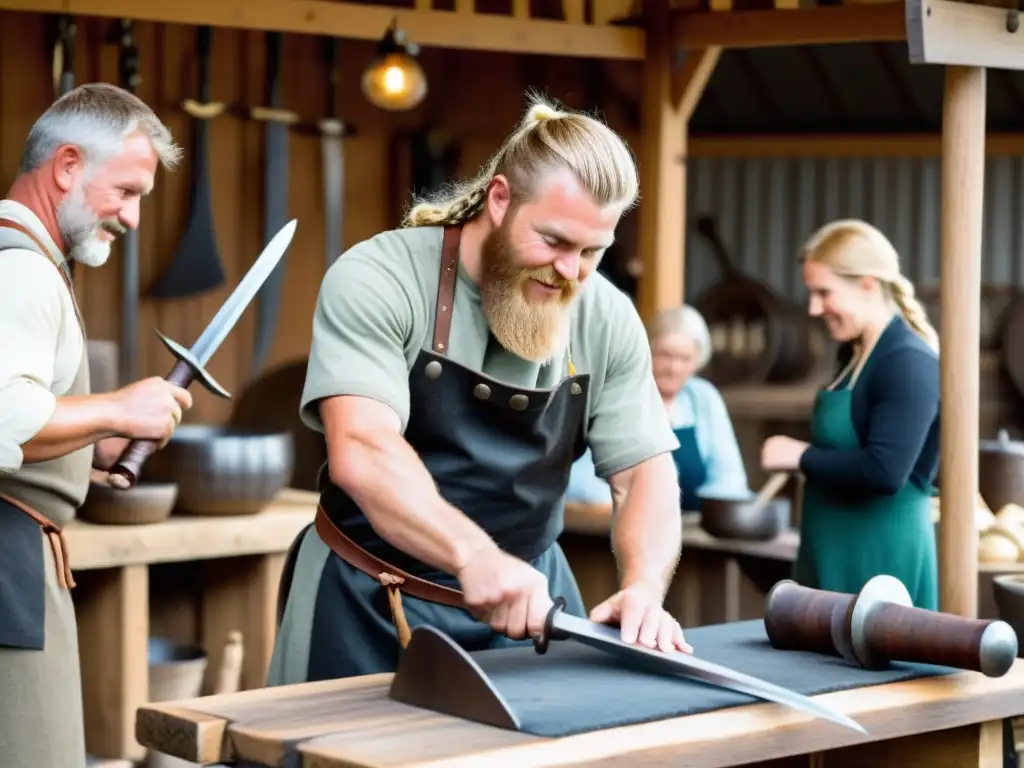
(41, 340)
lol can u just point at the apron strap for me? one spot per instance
(390, 577)
(8, 224)
(58, 543)
(446, 289)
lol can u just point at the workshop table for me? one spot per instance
(941, 722)
(243, 557)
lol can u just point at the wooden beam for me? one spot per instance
(780, 28)
(963, 190)
(441, 29)
(948, 32)
(690, 80)
(673, 81)
(890, 145)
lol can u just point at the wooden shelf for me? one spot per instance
(243, 559)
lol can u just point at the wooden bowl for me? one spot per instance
(144, 504)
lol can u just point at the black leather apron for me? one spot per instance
(501, 454)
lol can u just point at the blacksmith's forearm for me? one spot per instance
(648, 532)
(76, 422)
(388, 481)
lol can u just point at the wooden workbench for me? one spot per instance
(940, 722)
(243, 559)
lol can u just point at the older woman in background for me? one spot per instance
(708, 459)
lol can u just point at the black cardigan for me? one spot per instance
(895, 412)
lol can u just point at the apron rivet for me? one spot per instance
(482, 391)
(440, 345)
(433, 369)
(575, 388)
(444, 308)
(519, 402)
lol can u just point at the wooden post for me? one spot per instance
(672, 86)
(963, 176)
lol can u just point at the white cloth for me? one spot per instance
(42, 345)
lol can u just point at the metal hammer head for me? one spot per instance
(199, 373)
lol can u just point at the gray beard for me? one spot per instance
(80, 228)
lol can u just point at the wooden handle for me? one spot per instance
(203, 111)
(770, 489)
(125, 472)
(273, 115)
(800, 618)
(926, 637)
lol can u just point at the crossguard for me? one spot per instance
(125, 472)
(540, 644)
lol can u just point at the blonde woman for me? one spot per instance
(874, 430)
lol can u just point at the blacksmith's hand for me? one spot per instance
(506, 592)
(638, 611)
(151, 409)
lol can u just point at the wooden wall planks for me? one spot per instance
(474, 97)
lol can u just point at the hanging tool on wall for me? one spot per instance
(63, 56)
(122, 33)
(196, 266)
(275, 196)
(332, 132)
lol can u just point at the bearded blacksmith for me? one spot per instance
(459, 365)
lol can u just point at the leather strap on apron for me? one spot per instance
(392, 578)
(58, 543)
(52, 531)
(8, 224)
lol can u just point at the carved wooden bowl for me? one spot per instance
(143, 504)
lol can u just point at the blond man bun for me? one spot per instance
(545, 140)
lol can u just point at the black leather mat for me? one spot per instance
(573, 688)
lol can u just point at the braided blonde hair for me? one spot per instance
(545, 139)
(853, 248)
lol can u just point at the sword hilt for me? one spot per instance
(540, 644)
(126, 470)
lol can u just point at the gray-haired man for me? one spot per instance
(87, 162)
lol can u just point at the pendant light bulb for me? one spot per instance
(394, 80)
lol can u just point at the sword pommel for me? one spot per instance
(540, 644)
(125, 472)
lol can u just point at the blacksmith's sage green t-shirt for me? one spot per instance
(375, 313)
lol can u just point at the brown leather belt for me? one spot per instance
(390, 577)
(57, 541)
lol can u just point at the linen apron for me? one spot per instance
(501, 454)
(844, 542)
(41, 717)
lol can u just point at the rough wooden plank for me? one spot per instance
(187, 537)
(353, 723)
(444, 29)
(713, 740)
(775, 28)
(962, 33)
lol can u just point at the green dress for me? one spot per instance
(844, 543)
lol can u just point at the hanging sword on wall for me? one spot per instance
(128, 65)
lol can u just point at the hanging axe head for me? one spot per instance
(191, 365)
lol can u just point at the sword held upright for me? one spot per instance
(191, 365)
